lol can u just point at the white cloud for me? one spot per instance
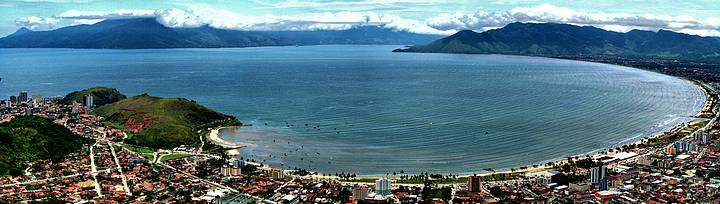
(34, 22)
(86, 21)
(218, 18)
(445, 23)
(179, 18)
(121, 13)
(481, 20)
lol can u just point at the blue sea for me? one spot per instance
(369, 111)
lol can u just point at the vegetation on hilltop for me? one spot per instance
(552, 39)
(101, 96)
(31, 138)
(162, 122)
(142, 33)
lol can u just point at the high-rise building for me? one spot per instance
(13, 100)
(360, 193)
(382, 186)
(597, 174)
(88, 101)
(603, 184)
(702, 137)
(37, 99)
(23, 97)
(277, 174)
(683, 146)
(473, 184)
(238, 163)
(230, 171)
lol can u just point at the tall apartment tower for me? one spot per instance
(88, 101)
(382, 186)
(473, 184)
(23, 97)
(597, 174)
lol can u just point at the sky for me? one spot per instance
(698, 17)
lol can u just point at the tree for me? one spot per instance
(498, 192)
(344, 195)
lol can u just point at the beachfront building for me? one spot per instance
(277, 174)
(473, 184)
(230, 171)
(683, 146)
(238, 163)
(360, 193)
(382, 187)
(702, 137)
(597, 177)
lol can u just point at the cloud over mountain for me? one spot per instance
(482, 20)
(121, 13)
(34, 22)
(445, 23)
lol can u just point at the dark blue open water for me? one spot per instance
(370, 111)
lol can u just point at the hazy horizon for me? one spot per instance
(426, 16)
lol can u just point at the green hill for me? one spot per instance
(29, 138)
(162, 122)
(552, 39)
(101, 96)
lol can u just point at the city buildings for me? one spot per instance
(231, 171)
(382, 187)
(598, 177)
(642, 175)
(277, 174)
(23, 97)
(597, 174)
(88, 101)
(684, 146)
(238, 163)
(360, 193)
(473, 184)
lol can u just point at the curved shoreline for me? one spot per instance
(216, 138)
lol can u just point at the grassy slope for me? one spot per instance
(102, 96)
(175, 121)
(28, 138)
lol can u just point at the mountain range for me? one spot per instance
(539, 39)
(548, 39)
(139, 33)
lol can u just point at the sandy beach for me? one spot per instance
(215, 138)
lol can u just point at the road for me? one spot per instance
(122, 175)
(93, 169)
(198, 178)
(117, 161)
(285, 184)
(38, 181)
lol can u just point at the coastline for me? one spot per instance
(215, 138)
(540, 166)
(543, 165)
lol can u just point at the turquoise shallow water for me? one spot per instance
(370, 111)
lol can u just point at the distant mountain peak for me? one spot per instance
(139, 33)
(20, 31)
(466, 32)
(553, 39)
